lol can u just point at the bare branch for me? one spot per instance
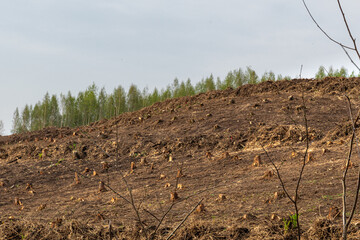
(151, 214)
(295, 199)
(163, 217)
(303, 165)
(91, 179)
(306, 149)
(134, 207)
(346, 222)
(352, 61)
(348, 29)
(131, 201)
(327, 35)
(186, 217)
(344, 186)
(181, 200)
(344, 47)
(278, 174)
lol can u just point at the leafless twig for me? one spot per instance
(182, 222)
(303, 166)
(296, 197)
(346, 222)
(91, 179)
(344, 47)
(322, 30)
(348, 29)
(163, 216)
(151, 214)
(278, 174)
(132, 203)
(181, 200)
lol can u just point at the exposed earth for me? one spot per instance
(210, 147)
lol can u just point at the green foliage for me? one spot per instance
(59, 161)
(17, 123)
(134, 98)
(69, 110)
(205, 85)
(36, 117)
(291, 222)
(320, 73)
(54, 112)
(250, 76)
(229, 81)
(115, 103)
(92, 105)
(155, 96)
(268, 76)
(233, 79)
(102, 98)
(166, 93)
(342, 72)
(239, 79)
(209, 83)
(189, 89)
(280, 77)
(26, 114)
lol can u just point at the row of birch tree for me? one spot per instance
(93, 104)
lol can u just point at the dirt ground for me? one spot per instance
(203, 148)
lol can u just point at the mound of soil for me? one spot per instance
(62, 183)
(282, 134)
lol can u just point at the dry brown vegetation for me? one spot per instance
(215, 144)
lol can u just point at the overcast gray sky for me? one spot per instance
(60, 45)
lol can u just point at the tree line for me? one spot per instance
(93, 104)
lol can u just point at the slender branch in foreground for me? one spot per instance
(132, 203)
(322, 30)
(346, 222)
(344, 47)
(302, 167)
(278, 174)
(352, 61)
(296, 197)
(151, 214)
(91, 179)
(307, 146)
(186, 217)
(163, 217)
(181, 200)
(348, 29)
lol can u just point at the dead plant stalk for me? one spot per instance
(344, 47)
(346, 222)
(296, 197)
(354, 48)
(132, 202)
(185, 218)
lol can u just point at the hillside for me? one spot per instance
(213, 138)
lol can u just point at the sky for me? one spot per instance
(59, 46)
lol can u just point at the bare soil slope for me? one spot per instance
(213, 139)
